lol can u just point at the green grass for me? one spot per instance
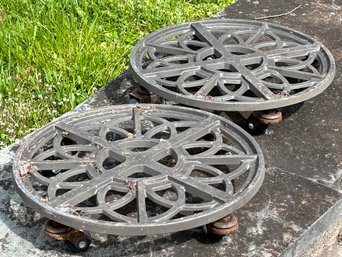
(55, 54)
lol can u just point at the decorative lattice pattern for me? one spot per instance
(144, 169)
(232, 65)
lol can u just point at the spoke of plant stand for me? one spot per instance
(178, 69)
(255, 85)
(300, 50)
(136, 121)
(170, 49)
(252, 39)
(223, 159)
(171, 71)
(297, 74)
(141, 202)
(80, 134)
(191, 134)
(200, 189)
(203, 34)
(61, 164)
(202, 128)
(209, 85)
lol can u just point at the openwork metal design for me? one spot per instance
(232, 65)
(138, 169)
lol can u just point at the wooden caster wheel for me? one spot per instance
(270, 117)
(223, 227)
(76, 240)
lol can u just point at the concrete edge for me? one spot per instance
(319, 227)
(331, 185)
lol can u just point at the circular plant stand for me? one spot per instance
(138, 169)
(232, 65)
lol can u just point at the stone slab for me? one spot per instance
(309, 140)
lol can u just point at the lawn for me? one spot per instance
(55, 54)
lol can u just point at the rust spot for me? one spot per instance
(132, 185)
(131, 136)
(205, 97)
(283, 94)
(27, 168)
(75, 211)
(44, 199)
(68, 208)
(146, 110)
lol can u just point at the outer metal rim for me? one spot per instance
(255, 171)
(281, 99)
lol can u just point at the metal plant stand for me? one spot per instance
(137, 170)
(144, 169)
(233, 65)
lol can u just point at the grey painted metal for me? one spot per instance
(138, 169)
(232, 65)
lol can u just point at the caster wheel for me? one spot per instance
(76, 240)
(254, 126)
(270, 117)
(210, 237)
(78, 244)
(141, 95)
(258, 122)
(223, 227)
